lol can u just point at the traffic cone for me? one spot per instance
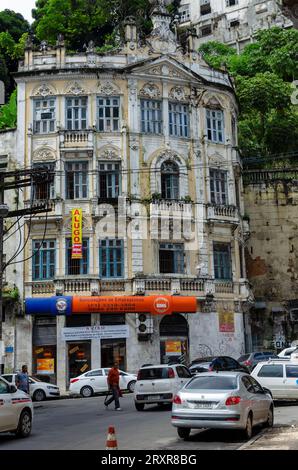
(111, 439)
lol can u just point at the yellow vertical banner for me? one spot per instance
(77, 235)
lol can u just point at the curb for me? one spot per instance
(252, 440)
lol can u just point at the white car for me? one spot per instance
(287, 352)
(16, 410)
(39, 390)
(95, 381)
(159, 384)
(280, 376)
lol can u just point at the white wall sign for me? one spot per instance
(95, 332)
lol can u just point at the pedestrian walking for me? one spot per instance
(113, 383)
(22, 380)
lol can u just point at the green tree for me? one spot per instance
(8, 113)
(13, 23)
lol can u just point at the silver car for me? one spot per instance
(227, 400)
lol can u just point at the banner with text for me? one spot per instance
(76, 231)
(95, 332)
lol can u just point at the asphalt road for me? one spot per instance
(82, 424)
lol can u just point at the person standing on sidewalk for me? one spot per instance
(22, 380)
(113, 383)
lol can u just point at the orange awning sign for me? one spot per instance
(154, 304)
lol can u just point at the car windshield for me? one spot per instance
(214, 382)
(156, 373)
(36, 379)
(243, 358)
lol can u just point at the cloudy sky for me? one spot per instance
(20, 6)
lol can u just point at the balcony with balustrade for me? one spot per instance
(79, 139)
(223, 214)
(168, 207)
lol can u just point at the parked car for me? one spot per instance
(280, 376)
(39, 390)
(216, 363)
(227, 400)
(159, 383)
(16, 410)
(95, 381)
(287, 352)
(250, 360)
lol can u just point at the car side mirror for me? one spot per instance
(13, 389)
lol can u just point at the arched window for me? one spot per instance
(169, 180)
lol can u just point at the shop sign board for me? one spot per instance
(45, 366)
(173, 348)
(226, 321)
(76, 233)
(95, 332)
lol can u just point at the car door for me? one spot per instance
(7, 415)
(271, 376)
(183, 376)
(97, 380)
(123, 379)
(263, 402)
(291, 381)
(253, 400)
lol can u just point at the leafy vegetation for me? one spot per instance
(8, 112)
(263, 74)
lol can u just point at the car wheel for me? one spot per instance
(139, 406)
(183, 433)
(248, 428)
(86, 391)
(270, 418)
(39, 395)
(131, 386)
(25, 424)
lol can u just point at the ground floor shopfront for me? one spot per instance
(51, 350)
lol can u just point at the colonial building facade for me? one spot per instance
(233, 22)
(143, 140)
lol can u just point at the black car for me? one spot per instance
(250, 360)
(216, 363)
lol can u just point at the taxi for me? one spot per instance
(16, 410)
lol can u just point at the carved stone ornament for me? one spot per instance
(150, 90)
(212, 101)
(44, 154)
(44, 90)
(74, 88)
(216, 159)
(168, 155)
(162, 39)
(177, 93)
(108, 88)
(110, 154)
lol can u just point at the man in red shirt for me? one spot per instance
(113, 383)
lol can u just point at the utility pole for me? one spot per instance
(17, 179)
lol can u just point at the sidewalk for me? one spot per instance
(277, 438)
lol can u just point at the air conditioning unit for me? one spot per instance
(294, 314)
(144, 326)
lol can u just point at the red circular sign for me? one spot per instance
(161, 305)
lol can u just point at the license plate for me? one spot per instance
(201, 405)
(153, 397)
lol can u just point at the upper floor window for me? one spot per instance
(77, 266)
(205, 7)
(218, 187)
(206, 30)
(179, 119)
(151, 116)
(169, 180)
(184, 13)
(44, 116)
(111, 258)
(222, 261)
(215, 125)
(43, 260)
(109, 180)
(43, 190)
(76, 180)
(76, 114)
(108, 112)
(234, 130)
(231, 3)
(171, 258)
(234, 23)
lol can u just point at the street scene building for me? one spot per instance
(142, 142)
(233, 22)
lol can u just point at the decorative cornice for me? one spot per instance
(44, 90)
(75, 88)
(177, 93)
(150, 90)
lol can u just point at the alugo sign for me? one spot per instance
(154, 304)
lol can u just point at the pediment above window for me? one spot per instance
(216, 159)
(75, 88)
(108, 88)
(178, 93)
(109, 153)
(44, 154)
(150, 90)
(213, 101)
(44, 90)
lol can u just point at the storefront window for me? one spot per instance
(44, 349)
(113, 350)
(79, 358)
